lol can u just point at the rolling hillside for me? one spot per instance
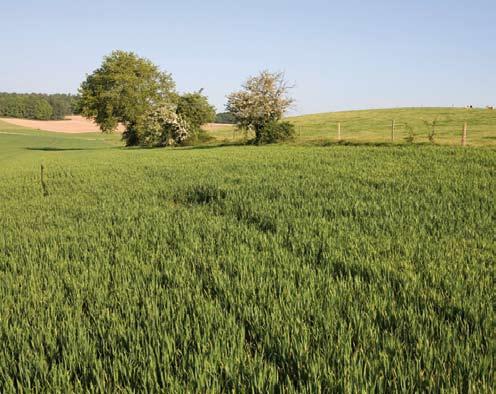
(375, 125)
(366, 126)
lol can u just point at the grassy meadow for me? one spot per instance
(280, 268)
(375, 126)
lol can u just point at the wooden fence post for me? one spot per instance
(393, 124)
(464, 135)
(43, 184)
(339, 131)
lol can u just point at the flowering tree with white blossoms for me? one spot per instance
(262, 101)
(163, 126)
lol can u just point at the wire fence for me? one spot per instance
(397, 131)
(474, 130)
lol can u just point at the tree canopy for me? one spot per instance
(37, 106)
(123, 90)
(195, 108)
(133, 91)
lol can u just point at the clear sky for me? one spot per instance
(340, 54)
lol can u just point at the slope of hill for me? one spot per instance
(376, 125)
(19, 143)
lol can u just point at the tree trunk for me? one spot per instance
(258, 133)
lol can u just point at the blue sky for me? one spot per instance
(340, 54)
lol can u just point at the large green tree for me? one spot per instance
(195, 108)
(124, 90)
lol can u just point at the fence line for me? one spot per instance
(444, 131)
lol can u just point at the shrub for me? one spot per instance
(197, 136)
(195, 109)
(276, 132)
(161, 127)
(410, 136)
(431, 130)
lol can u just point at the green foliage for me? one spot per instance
(123, 90)
(36, 106)
(62, 105)
(195, 109)
(276, 132)
(225, 118)
(276, 269)
(39, 108)
(131, 90)
(197, 137)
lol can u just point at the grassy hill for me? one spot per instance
(283, 268)
(374, 126)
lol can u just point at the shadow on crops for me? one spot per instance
(325, 143)
(199, 146)
(52, 149)
(382, 144)
(201, 195)
(307, 143)
(221, 144)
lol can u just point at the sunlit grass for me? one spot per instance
(250, 269)
(375, 125)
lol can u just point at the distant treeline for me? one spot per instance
(38, 106)
(225, 117)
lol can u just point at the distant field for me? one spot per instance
(72, 124)
(18, 142)
(369, 126)
(280, 268)
(374, 126)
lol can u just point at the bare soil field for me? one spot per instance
(79, 124)
(72, 124)
(217, 126)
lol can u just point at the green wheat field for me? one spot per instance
(310, 267)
